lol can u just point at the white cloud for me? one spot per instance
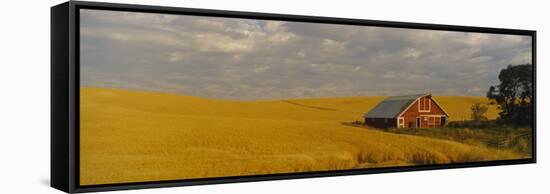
(261, 69)
(329, 45)
(213, 42)
(411, 53)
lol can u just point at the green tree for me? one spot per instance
(514, 94)
(478, 112)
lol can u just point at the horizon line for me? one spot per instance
(256, 99)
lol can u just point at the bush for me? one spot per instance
(478, 112)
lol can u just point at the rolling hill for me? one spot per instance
(136, 136)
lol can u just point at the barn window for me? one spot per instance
(431, 121)
(424, 104)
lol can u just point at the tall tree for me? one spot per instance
(514, 94)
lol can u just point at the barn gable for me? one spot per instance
(435, 109)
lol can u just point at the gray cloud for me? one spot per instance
(259, 59)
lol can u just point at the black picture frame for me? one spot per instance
(65, 94)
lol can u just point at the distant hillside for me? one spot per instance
(314, 108)
(458, 107)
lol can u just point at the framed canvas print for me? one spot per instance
(148, 96)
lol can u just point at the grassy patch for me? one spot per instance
(492, 136)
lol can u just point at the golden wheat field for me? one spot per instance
(136, 136)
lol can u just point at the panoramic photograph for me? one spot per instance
(179, 97)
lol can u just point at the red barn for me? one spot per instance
(413, 111)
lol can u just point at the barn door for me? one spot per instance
(400, 122)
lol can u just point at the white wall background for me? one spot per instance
(25, 97)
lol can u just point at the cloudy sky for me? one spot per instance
(261, 59)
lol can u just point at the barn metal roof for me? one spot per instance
(392, 106)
